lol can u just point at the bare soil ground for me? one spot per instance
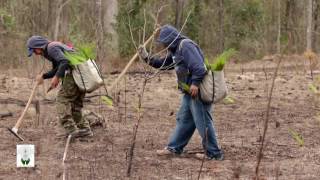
(239, 127)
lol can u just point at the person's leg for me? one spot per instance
(77, 106)
(202, 116)
(185, 127)
(65, 100)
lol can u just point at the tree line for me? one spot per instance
(253, 27)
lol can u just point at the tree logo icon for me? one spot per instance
(25, 155)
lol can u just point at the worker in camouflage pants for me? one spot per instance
(69, 105)
(70, 98)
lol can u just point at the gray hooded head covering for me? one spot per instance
(36, 42)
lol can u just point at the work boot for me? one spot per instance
(200, 156)
(166, 152)
(74, 133)
(85, 132)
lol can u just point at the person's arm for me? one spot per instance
(61, 61)
(194, 61)
(165, 63)
(50, 73)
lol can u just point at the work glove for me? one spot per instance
(143, 52)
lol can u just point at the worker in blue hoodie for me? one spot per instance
(187, 59)
(70, 98)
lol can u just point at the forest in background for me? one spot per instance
(253, 27)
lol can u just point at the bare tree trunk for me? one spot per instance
(315, 22)
(64, 29)
(309, 25)
(110, 11)
(49, 18)
(61, 4)
(56, 27)
(179, 13)
(221, 25)
(279, 27)
(99, 30)
(287, 15)
(290, 23)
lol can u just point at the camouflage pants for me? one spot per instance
(69, 105)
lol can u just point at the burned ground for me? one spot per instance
(238, 124)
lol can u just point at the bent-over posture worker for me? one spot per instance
(187, 59)
(69, 98)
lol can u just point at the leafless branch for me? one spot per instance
(131, 35)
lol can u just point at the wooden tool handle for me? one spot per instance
(131, 61)
(27, 106)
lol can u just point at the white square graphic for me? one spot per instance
(25, 155)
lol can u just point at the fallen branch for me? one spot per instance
(24, 103)
(8, 114)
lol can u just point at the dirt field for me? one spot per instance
(239, 127)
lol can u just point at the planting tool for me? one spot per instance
(14, 130)
(132, 60)
(49, 89)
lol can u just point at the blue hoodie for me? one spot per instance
(188, 60)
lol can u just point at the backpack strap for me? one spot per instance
(53, 43)
(58, 43)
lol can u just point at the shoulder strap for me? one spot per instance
(58, 43)
(53, 43)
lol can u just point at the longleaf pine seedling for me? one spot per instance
(228, 100)
(107, 101)
(185, 87)
(297, 137)
(220, 60)
(313, 89)
(218, 65)
(82, 54)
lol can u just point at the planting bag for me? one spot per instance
(213, 87)
(87, 76)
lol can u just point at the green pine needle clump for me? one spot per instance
(107, 100)
(220, 60)
(82, 54)
(228, 100)
(185, 86)
(313, 89)
(297, 137)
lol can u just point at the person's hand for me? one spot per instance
(143, 52)
(39, 79)
(54, 82)
(194, 90)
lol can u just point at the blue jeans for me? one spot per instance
(194, 114)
